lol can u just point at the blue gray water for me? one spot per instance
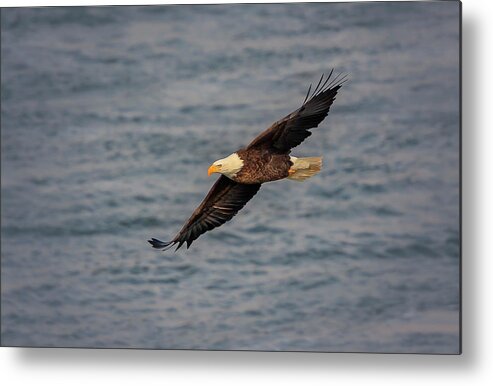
(110, 118)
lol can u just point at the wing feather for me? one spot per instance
(221, 204)
(293, 129)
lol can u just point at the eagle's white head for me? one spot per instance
(228, 166)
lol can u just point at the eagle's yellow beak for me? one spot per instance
(213, 169)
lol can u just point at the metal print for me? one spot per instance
(117, 121)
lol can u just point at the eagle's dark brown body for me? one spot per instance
(261, 165)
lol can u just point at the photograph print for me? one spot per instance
(263, 177)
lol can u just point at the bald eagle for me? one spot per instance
(267, 158)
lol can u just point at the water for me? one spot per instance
(110, 119)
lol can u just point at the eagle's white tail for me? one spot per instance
(304, 168)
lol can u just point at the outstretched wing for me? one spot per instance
(223, 201)
(293, 129)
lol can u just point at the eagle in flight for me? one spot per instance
(267, 158)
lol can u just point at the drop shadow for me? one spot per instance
(235, 360)
(470, 193)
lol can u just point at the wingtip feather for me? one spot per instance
(158, 244)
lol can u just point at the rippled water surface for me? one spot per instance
(110, 118)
